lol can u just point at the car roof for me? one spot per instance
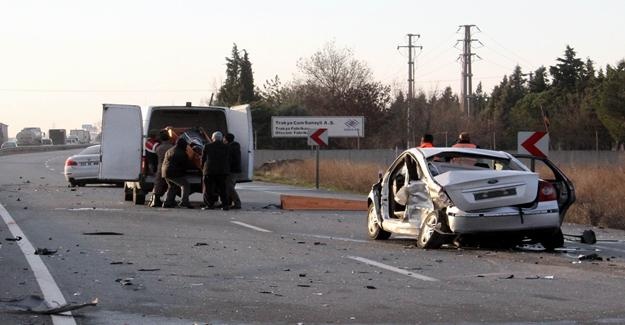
(430, 152)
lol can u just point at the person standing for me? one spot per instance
(464, 141)
(427, 141)
(215, 170)
(175, 164)
(234, 148)
(151, 143)
(160, 185)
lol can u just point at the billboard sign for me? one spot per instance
(301, 126)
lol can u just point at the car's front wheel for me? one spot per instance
(429, 237)
(373, 227)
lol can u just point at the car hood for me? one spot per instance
(484, 189)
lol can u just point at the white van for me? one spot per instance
(124, 134)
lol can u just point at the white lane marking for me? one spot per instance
(392, 268)
(250, 226)
(51, 292)
(333, 238)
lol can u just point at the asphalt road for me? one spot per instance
(263, 265)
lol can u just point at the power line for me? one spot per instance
(48, 90)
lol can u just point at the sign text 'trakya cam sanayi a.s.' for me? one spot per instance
(300, 126)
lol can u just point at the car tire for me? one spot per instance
(429, 237)
(374, 230)
(138, 197)
(552, 240)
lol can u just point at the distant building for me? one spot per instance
(4, 133)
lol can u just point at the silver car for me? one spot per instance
(445, 195)
(84, 167)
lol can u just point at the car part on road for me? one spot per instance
(45, 251)
(37, 305)
(103, 233)
(588, 237)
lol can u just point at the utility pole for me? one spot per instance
(466, 92)
(409, 135)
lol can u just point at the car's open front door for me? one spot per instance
(240, 124)
(548, 171)
(122, 142)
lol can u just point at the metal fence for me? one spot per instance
(386, 156)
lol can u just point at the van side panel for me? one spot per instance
(122, 142)
(240, 124)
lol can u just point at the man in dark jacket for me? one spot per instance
(215, 169)
(174, 167)
(234, 148)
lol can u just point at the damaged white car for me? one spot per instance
(442, 195)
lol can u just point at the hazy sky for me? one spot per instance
(60, 60)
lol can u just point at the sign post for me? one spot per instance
(317, 138)
(533, 143)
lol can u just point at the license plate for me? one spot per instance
(494, 194)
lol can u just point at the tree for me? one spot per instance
(335, 70)
(611, 110)
(246, 80)
(239, 85)
(230, 91)
(568, 73)
(539, 82)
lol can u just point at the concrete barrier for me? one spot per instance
(29, 149)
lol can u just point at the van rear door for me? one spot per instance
(239, 119)
(122, 142)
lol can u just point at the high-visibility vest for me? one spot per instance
(426, 145)
(464, 145)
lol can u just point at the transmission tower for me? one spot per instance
(410, 101)
(466, 92)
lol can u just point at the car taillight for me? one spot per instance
(70, 162)
(546, 192)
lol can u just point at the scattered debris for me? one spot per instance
(370, 287)
(319, 243)
(148, 270)
(272, 206)
(302, 275)
(125, 282)
(18, 238)
(511, 276)
(103, 233)
(304, 285)
(201, 244)
(549, 277)
(590, 257)
(45, 251)
(588, 237)
(37, 305)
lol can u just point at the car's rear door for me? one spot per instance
(239, 119)
(548, 171)
(122, 142)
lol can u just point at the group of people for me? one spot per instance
(464, 141)
(220, 164)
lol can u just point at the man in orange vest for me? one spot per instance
(427, 141)
(464, 141)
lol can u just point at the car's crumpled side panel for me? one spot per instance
(416, 199)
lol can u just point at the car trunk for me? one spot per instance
(485, 189)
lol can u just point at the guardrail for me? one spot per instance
(29, 149)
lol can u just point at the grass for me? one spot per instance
(600, 200)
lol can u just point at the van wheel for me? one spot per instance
(373, 228)
(138, 197)
(127, 193)
(429, 237)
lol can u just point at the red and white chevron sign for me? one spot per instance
(533, 143)
(318, 137)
